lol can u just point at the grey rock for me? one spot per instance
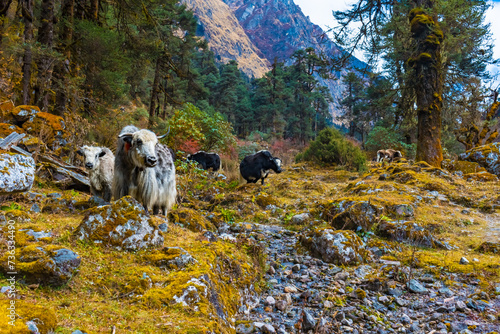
(54, 267)
(460, 305)
(270, 301)
(300, 218)
(405, 319)
(32, 327)
(178, 258)
(337, 247)
(308, 321)
(17, 173)
(78, 332)
(245, 328)
(163, 227)
(416, 287)
(363, 271)
(463, 260)
(35, 208)
(281, 305)
(135, 229)
(268, 329)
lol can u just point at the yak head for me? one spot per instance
(271, 163)
(142, 147)
(91, 155)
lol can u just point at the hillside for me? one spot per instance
(403, 247)
(226, 37)
(275, 28)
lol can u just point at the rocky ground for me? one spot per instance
(402, 248)
(305, 294)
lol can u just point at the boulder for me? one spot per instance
(170, 258)
(50, 127)
(46, 265)
(190, 218)
(353, 215)
(481, 177)
(466, 167)
(300, 218)
(17, 173)
(7, 129)
(25, 113)
(338, 247)
(122, 225)
(487, 156)
(489, 247)
(410, 233)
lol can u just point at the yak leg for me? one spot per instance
(156, 209)
(106, 194)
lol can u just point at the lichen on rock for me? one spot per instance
(337, 247)
(488, 156)
(122, 225)
(17, 173)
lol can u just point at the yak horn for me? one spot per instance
(166, 134)
(125, 135)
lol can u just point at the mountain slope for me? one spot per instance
(258, 32)
(226, 37)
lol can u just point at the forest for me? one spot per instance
(90, 58)
(380, 210)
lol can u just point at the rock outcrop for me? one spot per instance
(337, 247)
(17, 173)
(487, 156)
(122, 225)
(46, 265)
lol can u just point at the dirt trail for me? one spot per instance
(492, 232)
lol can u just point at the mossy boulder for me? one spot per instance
(264, 200)
(465, 167)
(32, 144)
(25, 113)
(351, 215)
(50, 127)
(487, 156)
(481, 177)
(170, 258)
(17, 173)
(410, 233)
(46, 265)
(122, 225)
(489, 247)
(337, 247)
(192, 219)
(25, 314)
(7, 129)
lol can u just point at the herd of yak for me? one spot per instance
(144, 169)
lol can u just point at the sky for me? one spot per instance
(320, 13)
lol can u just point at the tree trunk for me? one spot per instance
(27, 12)
(154, 92)
(428, 82)
(62, 69)
(4, 7)
(46, 39)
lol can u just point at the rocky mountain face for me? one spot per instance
(226, 37)
(272, 30)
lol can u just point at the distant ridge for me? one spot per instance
(256, 32)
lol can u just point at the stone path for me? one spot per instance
(306, 295)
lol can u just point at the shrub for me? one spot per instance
(193, 127)
(331, 147)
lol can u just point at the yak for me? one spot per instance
(257, 166)
(148, 171)
(99, 161)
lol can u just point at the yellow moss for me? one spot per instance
(7, 129)
(191, 219)
(44, 317)
(264, 199)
